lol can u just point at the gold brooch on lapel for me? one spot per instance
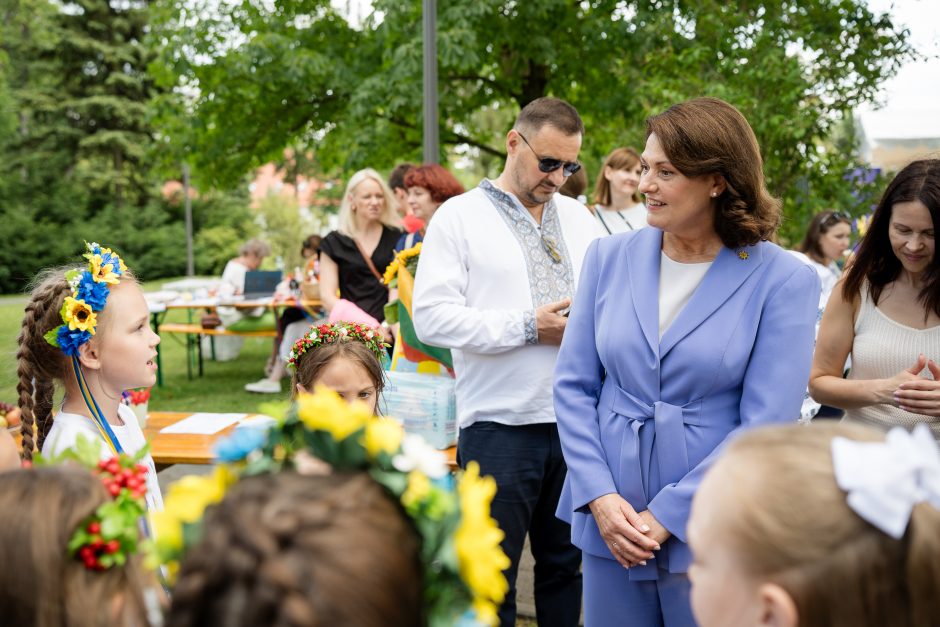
(742, 254)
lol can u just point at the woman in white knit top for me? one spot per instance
(886, 312)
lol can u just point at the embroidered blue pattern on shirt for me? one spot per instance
(530, 326)
(550, 279)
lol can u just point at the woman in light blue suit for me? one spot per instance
(680, 335)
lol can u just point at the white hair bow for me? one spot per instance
(885, 480)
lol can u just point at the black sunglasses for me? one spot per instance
(836, 216)
(548, 164)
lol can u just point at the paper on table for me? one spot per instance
(203, 423)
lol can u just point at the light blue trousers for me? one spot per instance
(611, 599)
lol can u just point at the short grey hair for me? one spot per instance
(255, 247)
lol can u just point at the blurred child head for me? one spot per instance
(290, 549)
(776, 542)
(310, 246)
(342, 361)
(118, 356)
(40, 583)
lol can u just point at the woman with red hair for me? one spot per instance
(428, 187)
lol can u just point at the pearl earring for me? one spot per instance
(714, 194)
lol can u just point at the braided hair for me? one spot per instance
(38, 364)
(288, 550)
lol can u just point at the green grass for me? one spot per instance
(219, 390)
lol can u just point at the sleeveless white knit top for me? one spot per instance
(883, 348)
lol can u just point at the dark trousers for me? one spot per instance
(529, 469)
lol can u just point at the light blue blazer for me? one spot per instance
(645, 418)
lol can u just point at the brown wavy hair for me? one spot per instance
(40, 365)
(795, 528)
(40, 584)
(288, 550)
(709, 136)
(875, 261)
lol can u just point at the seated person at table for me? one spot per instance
(250, 256)
(343, 357)
(86, 328)
(41, 583)
(825, 525)
(292, 324)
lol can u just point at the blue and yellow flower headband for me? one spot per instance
(90, 289)
(461, 555)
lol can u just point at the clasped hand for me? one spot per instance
(631, 537)
(918, 394)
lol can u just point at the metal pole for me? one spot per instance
(431, 142)
(190, 265)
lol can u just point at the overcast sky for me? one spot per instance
(911, 100)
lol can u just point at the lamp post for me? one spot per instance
(431, 141)
(187, 203)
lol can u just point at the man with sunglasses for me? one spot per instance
(498, 268)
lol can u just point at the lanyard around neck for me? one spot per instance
(604, 224)
(97, 416)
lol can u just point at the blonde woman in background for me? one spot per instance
(617, 202)
(353, 256)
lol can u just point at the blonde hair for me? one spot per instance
(38, 364)
(347, 220)
(40, 584)
(619, 159)
(797, 530)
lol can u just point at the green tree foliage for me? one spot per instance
(283, 228)
(259, 76)
(77, 147)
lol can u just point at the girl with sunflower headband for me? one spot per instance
(379, 535)
(87, 329)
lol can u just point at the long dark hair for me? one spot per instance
(875, 261)
(821, 224)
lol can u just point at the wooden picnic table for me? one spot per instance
(194, 332)
(187, 448)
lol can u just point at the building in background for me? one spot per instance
(890, 140)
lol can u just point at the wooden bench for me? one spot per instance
(195, 329)
(194, 333)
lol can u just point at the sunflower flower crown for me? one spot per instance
(112, 534)
(337, 332)
(90, 290)
(461, 558)
(407, 258)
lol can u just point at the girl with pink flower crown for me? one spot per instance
(87, 329)
(342, 356)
